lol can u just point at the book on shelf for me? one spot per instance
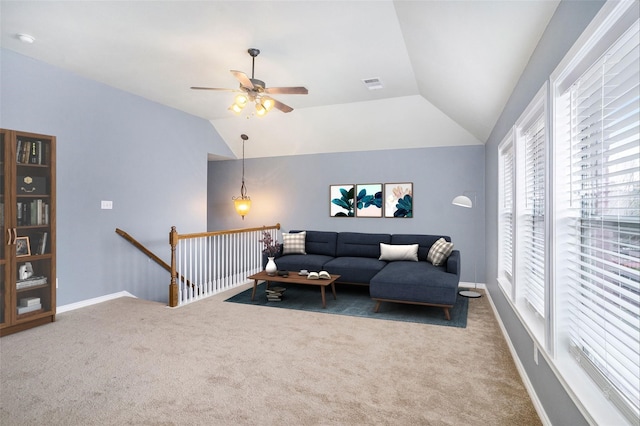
(30, 282)
(33, 157)
(27, 309)
(32, 213)
(29, 301)
(42, 243)
(30, 152)
(19, 150)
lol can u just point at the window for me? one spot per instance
(569, 217)
(531, 140)
(597, 213)
(506, 178)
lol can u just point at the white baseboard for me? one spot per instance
(523, 373)
(89, 302)
(470, 285)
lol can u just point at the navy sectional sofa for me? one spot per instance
(355, 257)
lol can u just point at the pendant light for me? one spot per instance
(243, 202)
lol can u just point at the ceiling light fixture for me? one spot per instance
(263, 104)
(243, 202)
(26, 38)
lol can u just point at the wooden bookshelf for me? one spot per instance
(27, 222)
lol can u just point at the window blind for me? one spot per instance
(533, 218)
(506, 177)
(604, 194)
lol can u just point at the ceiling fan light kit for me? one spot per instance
(256, 91)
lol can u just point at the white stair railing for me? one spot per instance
(208, 263)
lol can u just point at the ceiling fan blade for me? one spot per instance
(243, 79)
(287, 90)
(212, 88)
(282, 107)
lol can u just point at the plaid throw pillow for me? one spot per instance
(439, 252)
(294, 243)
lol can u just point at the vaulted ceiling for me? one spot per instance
(447, 67)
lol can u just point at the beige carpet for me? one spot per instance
(130, 361)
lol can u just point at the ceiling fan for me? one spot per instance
(254, 90)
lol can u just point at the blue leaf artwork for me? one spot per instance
(369, 200)
(342, 200)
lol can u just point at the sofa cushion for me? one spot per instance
(358, 270)
(453, 263)
(294, 243)
(296, 262)
(356, 244)
(439, 252)
(393, 253)
(321, 242)
(415, 282)
(424, 241)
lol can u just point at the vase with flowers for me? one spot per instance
(270, 249)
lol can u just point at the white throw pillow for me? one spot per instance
(392, 253)
(439, 252)
(294, 243)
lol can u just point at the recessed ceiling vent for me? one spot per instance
(373, 83)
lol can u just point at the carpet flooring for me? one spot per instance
(135, 362)
(354, 301)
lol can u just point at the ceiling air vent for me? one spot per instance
(373, 83)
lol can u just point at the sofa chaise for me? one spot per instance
(394, 266)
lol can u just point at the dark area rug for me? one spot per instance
(354, 301)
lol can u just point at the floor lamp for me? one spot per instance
(464, 201)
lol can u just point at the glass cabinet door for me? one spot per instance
(33, 218)
(4, 300)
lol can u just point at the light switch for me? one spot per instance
(106, 205)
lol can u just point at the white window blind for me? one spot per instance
(506, 210)
(604, 194)
(532, 221)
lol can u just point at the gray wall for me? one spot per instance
(294, 191)
(570, 19)
(150, 160)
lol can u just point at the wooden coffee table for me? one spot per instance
(294, 278)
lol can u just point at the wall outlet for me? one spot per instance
(535, 354)
(106, 205)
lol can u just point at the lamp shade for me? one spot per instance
(237, 109)
(462, 201)
(243, 205)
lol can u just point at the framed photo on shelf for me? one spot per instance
(398, 200)
(23, 248)
(341, 200)
(369, 200)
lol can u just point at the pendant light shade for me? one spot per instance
(243, 205)
(243, 202)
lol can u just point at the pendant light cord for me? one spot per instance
(243, 188)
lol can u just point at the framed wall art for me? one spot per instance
(341, 200)
(398, 200)
(369, 200)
